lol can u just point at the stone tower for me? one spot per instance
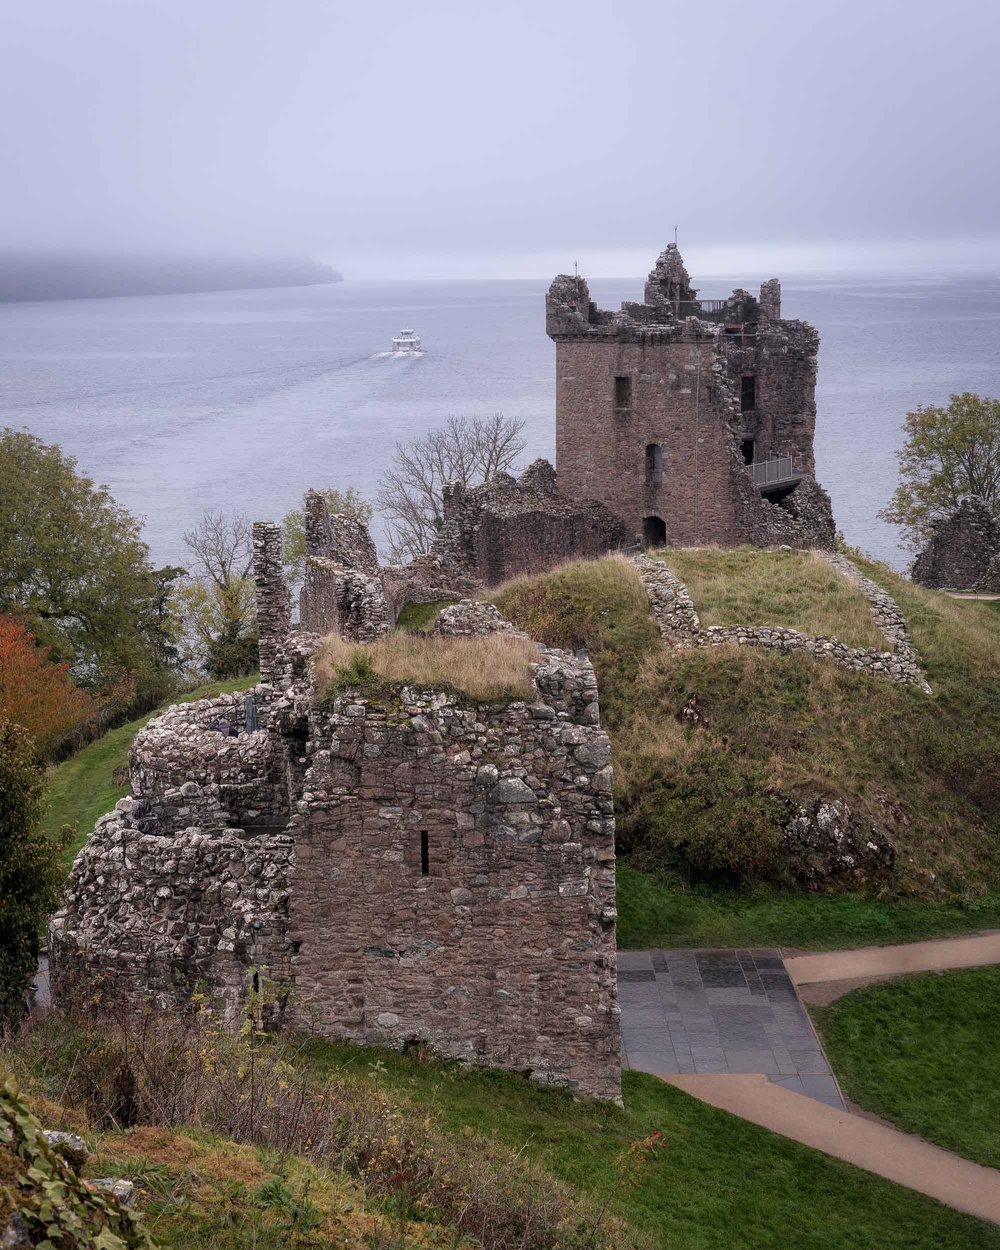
(692, 420)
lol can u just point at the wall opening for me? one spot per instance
(746, 447)
(654, 531)
(748, 394)
(623, 394)
(425, 854)
(654, 464)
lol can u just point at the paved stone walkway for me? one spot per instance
(720, 1011)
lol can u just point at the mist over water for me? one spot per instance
(243, 400)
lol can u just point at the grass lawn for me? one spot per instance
(923, 1052)
(419, 618)
(652, 913)
(720, 1183)
(797, 589)
(82, 788)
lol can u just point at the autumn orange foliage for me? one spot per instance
(36, 692)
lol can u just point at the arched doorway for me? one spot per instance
(654, 531)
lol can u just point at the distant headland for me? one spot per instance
(55, 275)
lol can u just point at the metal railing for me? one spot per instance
(773, 470)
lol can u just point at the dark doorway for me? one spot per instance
(654, 531)
(746, 447)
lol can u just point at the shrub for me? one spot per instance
(132, 1069)
(30, 873)
(35, 692)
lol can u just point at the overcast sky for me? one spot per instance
(435, 138)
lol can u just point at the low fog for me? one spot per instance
(449, 139)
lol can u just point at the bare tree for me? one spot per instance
(467, 450)
(217, 598)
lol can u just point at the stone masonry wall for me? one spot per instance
(207, 743)
(156, 916)
(960, 548)
(679, 625)
(454, 879)
(274, 603)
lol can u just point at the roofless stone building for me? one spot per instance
(692, 420)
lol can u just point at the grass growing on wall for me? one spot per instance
(796, 589)
(922, 1051)
(494, 667)
(82, 788)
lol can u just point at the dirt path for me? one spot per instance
(821, 979)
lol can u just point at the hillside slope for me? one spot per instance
(709, 798)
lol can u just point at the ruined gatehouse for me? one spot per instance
(691, 419)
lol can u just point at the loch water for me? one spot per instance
(242, 400)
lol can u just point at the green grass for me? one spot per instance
(923, 1053)
(708, 801)
(652, 913)
(419, 618)
(719, 1183)
(796, 589)
(82, 788)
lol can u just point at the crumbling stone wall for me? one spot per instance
(669, 374)
(960, 549)
(342, 590)
(679, 624)
(493, 942)
(274, 602)
(160, 915)
(454, 879)
(207, 743)
(509, 526)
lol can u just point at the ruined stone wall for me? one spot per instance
(785, 358)
(207, 743)
(679, 625)
(960, 549)
(495, 945)
(274, 602)
(508, 526)
(160, 916)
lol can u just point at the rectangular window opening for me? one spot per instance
(425, 854)
(747, 448)
(623, 394)
(748, 394)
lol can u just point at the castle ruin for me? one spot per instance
(692, 420)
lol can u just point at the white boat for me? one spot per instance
(406, 343)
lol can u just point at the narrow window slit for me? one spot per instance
(425, 854)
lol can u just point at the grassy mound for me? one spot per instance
(923, 1053)
(496, 667)
(704, 799)
(796, 589)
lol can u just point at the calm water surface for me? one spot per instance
(243, 400)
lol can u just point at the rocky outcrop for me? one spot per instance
(826, 845)
(960, 549)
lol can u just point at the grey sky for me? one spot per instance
(443, 137)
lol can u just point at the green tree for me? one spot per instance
(216, 599)
(948, 453)
(74, 567)
(30, 872)
(293, 527)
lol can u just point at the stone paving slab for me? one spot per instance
(720, 1011)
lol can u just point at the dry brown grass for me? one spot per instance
(495, 667)
(795, 589)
